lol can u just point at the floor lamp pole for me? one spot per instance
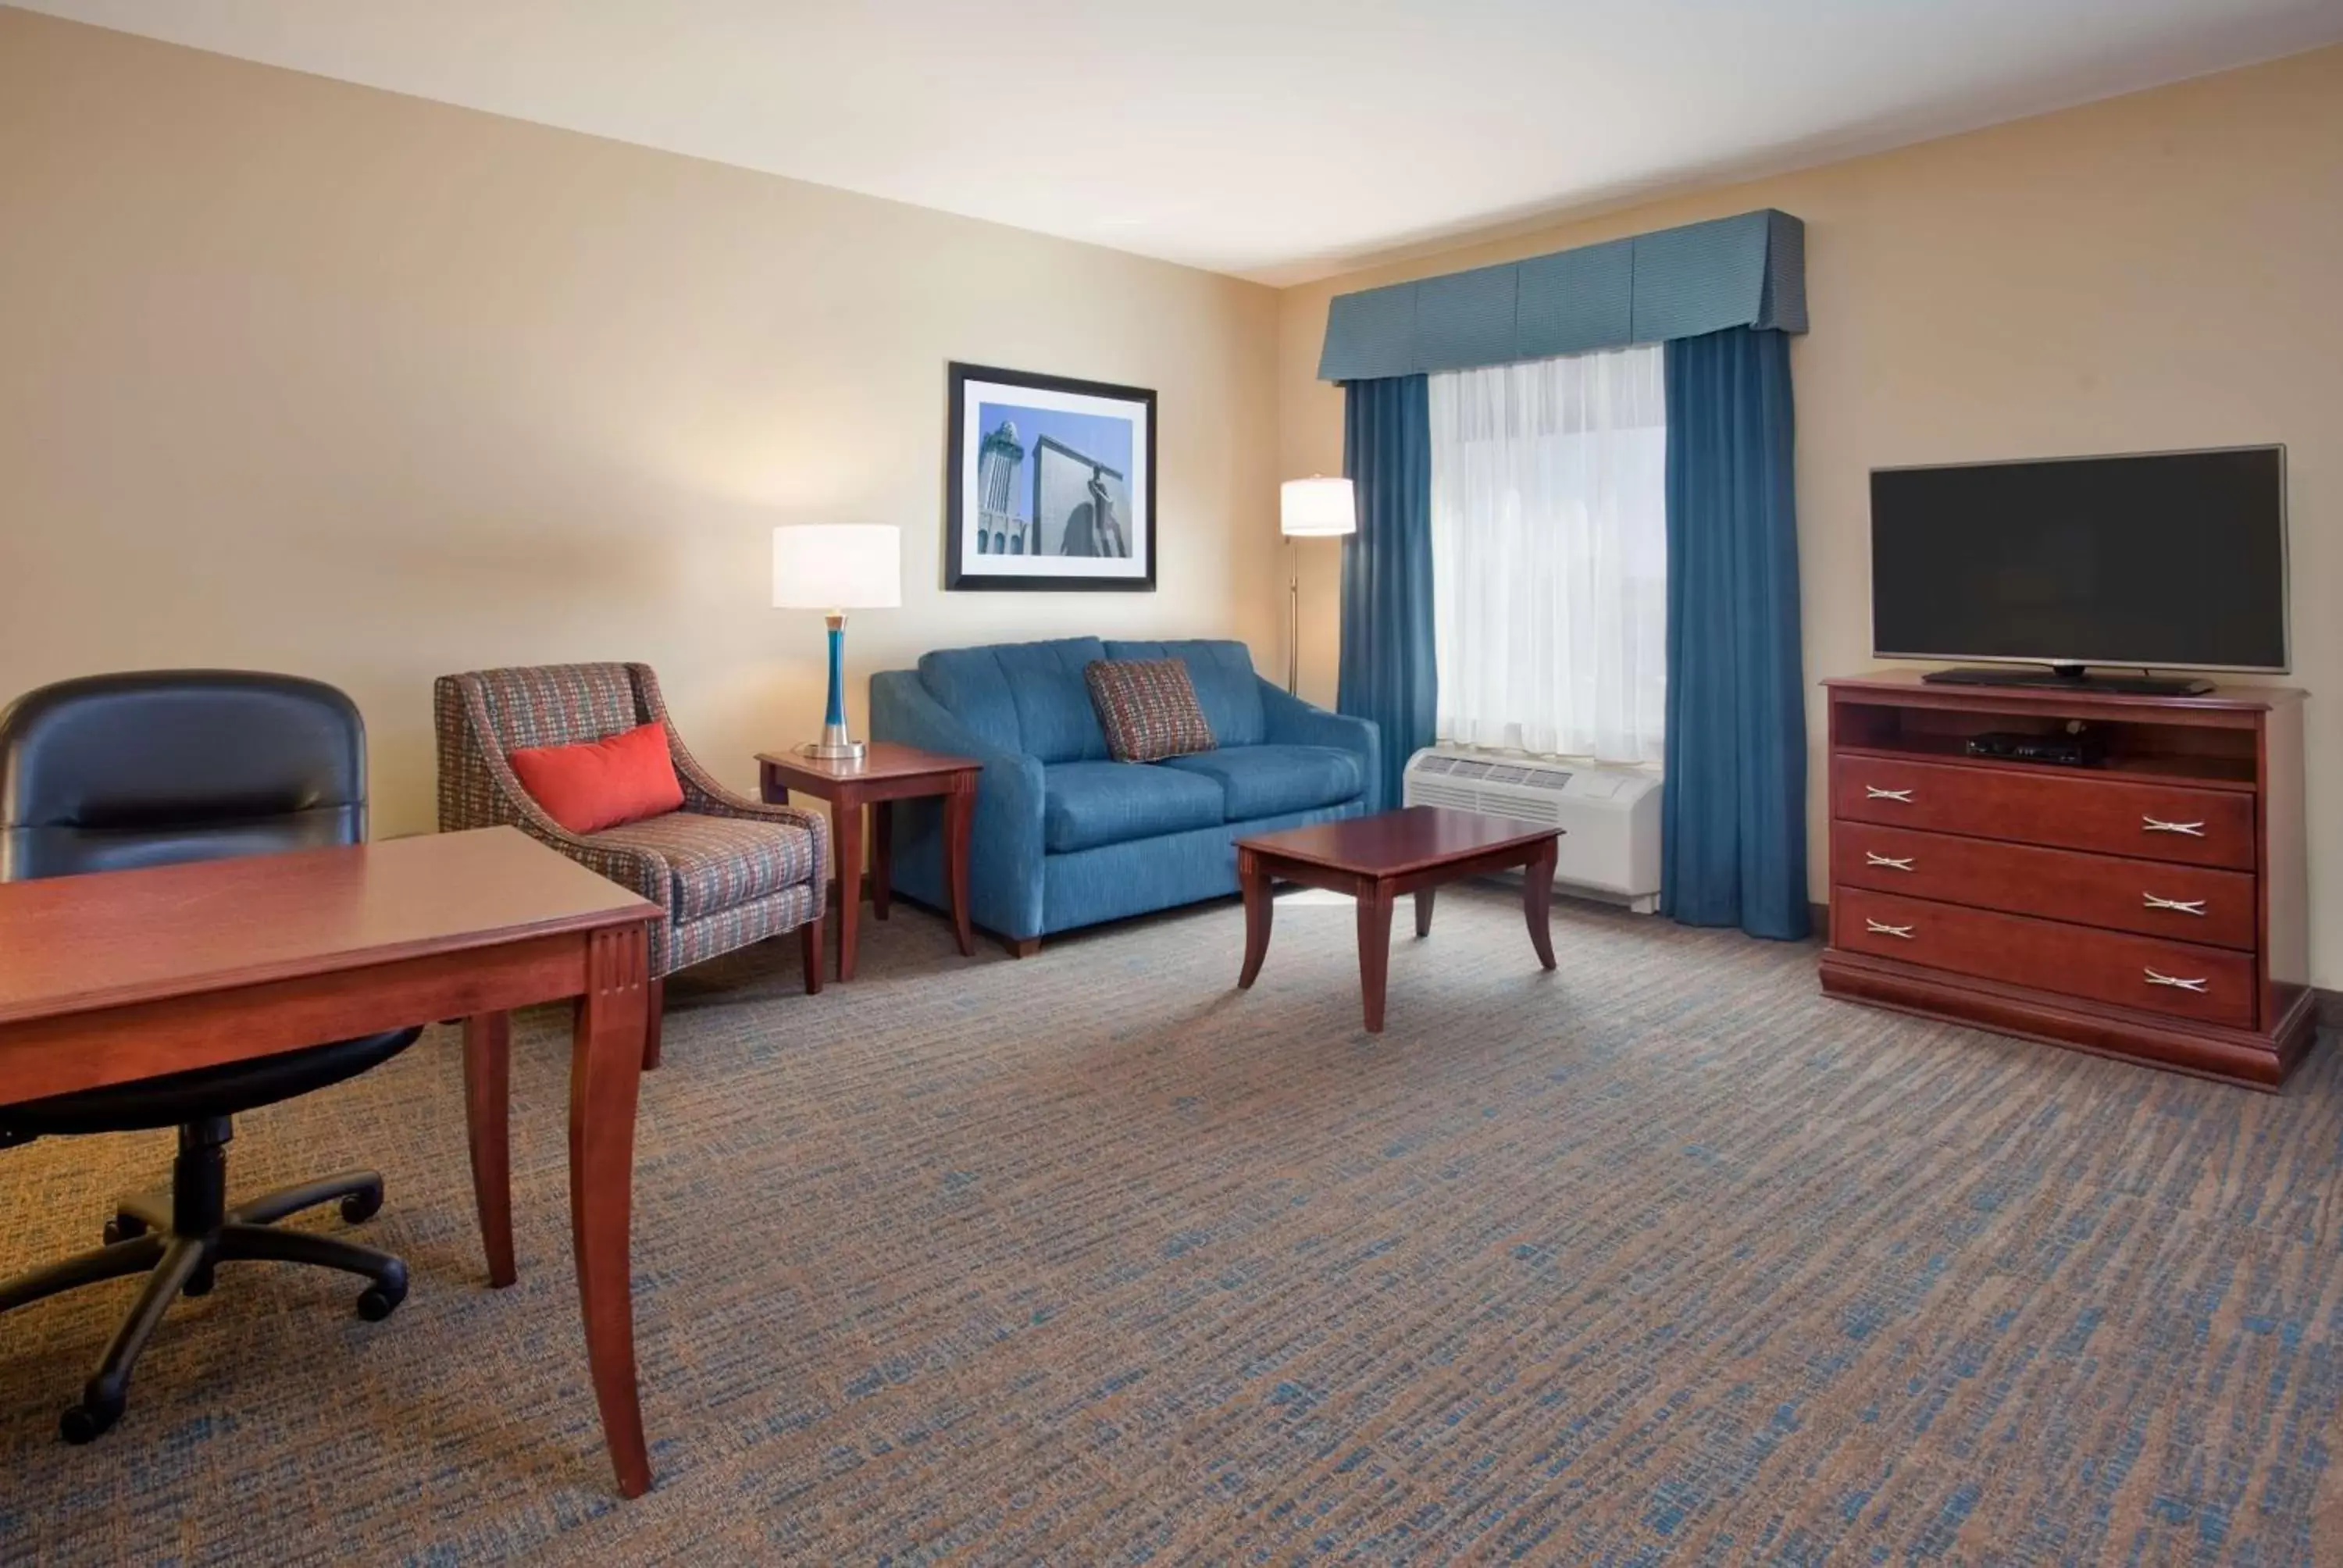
(1292, 618)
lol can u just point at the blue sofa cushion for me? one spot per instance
(1025, 696)
(1226, 688)
(1271, 781)
(1086, 804)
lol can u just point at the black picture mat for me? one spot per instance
(956, 578)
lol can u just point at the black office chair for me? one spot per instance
(118, 771)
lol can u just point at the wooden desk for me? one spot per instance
(887, 772)
(124, 975)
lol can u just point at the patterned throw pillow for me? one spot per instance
(1148, 708)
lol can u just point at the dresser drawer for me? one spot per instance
(2145, 972)
(2155, 898)
(2068, 811)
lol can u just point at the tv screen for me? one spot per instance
(2171, 560)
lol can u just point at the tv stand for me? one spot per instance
(2155, 905)
(2070, 678)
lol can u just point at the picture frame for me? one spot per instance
(1050, 484)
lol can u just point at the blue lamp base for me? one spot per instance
(836, 745)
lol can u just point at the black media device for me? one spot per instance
(2164, 559)
(2080, 748)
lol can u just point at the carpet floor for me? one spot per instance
(1090, 1259)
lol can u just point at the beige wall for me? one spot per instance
(2159, 271)
(300, 376)
(303, 375)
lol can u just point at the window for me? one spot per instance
(1549, 553)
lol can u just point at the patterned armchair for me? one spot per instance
(728, 871)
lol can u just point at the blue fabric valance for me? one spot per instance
(1748, 270)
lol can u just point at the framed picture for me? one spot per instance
(1049, 485)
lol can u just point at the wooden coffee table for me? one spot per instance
(886, 773)
(1376, 858)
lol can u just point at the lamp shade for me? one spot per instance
(838, 565)
(1315, 506)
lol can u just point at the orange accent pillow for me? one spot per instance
(621, 777)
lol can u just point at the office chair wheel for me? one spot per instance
(362, 1205)
(123, 1227)
(378, 1300)
(90, 1420)
(200, 1282)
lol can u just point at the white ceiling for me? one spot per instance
(1279, 139)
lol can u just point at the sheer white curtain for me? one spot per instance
(1549, 553)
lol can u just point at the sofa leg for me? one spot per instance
(654, 1006)
(1022, 946)
(810, 949)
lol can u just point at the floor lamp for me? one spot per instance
(1316, 508)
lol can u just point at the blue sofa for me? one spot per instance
(1066, 837)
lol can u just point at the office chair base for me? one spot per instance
(178, 1238)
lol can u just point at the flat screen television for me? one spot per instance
(2173, 560)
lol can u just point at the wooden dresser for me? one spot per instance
(2152, 906)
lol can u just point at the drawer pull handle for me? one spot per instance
(2157, 824)
(1874, 792)
(2175, 982)
(1881, 928)
(2178, 906)
(1872, 858)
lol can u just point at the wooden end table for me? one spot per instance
(886, 774)
(1376, 858)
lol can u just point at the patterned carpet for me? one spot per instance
(1091, 1260)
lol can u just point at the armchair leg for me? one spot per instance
(1022, 946)
(656, 1006)
(810, 949)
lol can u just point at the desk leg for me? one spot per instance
(487, 1093)
(960, 812)
(883, 857)
(1537, 900)
(845, 833)
(605, 1067)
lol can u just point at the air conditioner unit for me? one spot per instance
(1610, 816)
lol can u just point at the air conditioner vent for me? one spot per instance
(1423, 792)
(1609, 816)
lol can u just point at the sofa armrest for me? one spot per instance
(1294, 722)
(1005, 848)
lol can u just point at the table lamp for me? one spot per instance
(836, 567)
(1311, 508)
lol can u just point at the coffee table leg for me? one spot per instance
(960, 814)
(1424, 911)
(1537, 901)
(1258, 907)
(1374, 950)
